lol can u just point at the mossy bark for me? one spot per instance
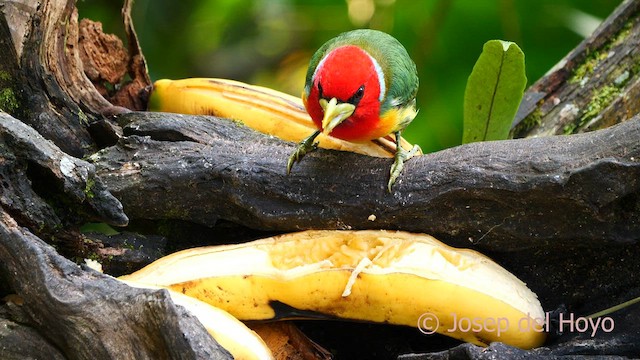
(595, 86)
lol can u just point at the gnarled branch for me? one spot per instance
(500, 196)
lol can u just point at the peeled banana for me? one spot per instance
(262, 109)
(381, 276)
(242, 342)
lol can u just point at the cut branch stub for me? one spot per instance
(45, 72)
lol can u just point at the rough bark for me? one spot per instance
(499, 196)
(51, 308)
(43, 71)
(595, 86)
(43, 175)
(87, 315)
(560, 212)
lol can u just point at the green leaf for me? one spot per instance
(100, 228)
(494, 91)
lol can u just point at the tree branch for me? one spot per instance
(87, 315)
(595, 86)
(505, 195)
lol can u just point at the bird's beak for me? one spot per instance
(334, 113)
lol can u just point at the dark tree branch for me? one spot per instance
(64, 310)
(19, 342)
(87, 315)
(36, 173)
(506, 195)
(595, 86)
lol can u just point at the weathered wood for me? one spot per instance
(595, 86)
(35, 173)
(87, 315)
(42, 69)
(68, 311)
(506, 195)
(19, 342)
(81, 312)
(44, 106)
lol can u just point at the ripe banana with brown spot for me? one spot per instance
(262, 109)
(242, 342)
(380, 276)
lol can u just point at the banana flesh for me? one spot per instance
(380, 276)
(262, 109)
(242, 342)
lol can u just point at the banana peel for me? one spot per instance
(262, 109)
(380, 276)
(233, 335)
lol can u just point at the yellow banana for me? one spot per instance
(242, 342)
(262, 109)
(381, 276)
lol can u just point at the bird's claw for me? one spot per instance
(401, 156)
(305, 146)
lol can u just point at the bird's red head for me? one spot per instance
(351, 76)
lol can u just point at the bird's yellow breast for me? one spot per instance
(396, 119)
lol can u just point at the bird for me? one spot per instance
(360, 85)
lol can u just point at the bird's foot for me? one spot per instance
(401, 156)
(305, 146)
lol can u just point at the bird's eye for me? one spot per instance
(319, 91)
(357, 96)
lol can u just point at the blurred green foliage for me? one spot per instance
(269, 42)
